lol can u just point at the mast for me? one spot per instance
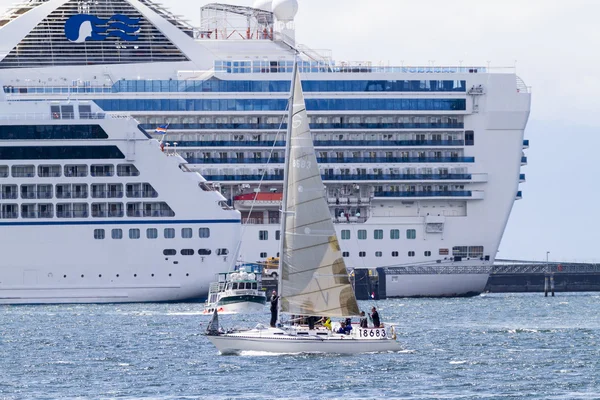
(286, 167)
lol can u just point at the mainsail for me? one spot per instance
(314, 280)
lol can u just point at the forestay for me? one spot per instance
(314, 278)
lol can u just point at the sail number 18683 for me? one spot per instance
(371, 333)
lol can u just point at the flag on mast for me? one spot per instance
(162, 129)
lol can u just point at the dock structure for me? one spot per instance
(505, 276)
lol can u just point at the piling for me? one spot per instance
(546, 286)
(552, 284)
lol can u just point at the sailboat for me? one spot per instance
(313, 280)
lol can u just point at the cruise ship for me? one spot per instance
(422, 164)
(92, 211)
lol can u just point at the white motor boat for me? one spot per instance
(239, 291)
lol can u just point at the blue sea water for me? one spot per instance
(512, 346)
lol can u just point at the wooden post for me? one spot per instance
(545, 285)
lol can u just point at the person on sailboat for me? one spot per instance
(363, 320)
(274, 299)
(375, 317)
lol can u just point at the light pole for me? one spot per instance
(547, 265)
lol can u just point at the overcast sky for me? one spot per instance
(554, 45)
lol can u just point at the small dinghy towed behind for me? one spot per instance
(313, 281)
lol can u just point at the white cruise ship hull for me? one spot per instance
(428, 285)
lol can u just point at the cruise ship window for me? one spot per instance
(99, 210)
(85, 112)
(115, 209)
(49, 171)
(4, 171)
(222, 252)
(460, 251)
(169, 233)
(99, 234)
(45, 210)
(80, 210)
(345, 234)
(10, 211)
(475, 251)
(127, 170)
(80, 191)
(204, 252)
(411, 234)
(67, 112)
(263, 255)
(114, 190)
(76, 170)
(28, 211)
(117, 234)
(411, 253)
(187, 252)
(134, 233)
(378, 254)
(186, 233)
(362, 234)
(169, 252)
(277, 235)
(102, 170)
(55, 112)
(395, 234)
(346, 254)
(263, 235)
(23, 171)
(427, 254)
(152, 233)
(204, 233)
(378, 234)
(394, 254)
(63, 210)
(63, 191)
(362, 254)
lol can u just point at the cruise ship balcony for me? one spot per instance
(354, 177)
(313, 126)
(523, 160)
(519, 195)
(526, 143)
(450, 194)
(318, 143)
(521, 178)
(335, 160)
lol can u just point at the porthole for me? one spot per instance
(100, 276)
(169, 274)
(169, 252)
(82, 276)
(64, 276)
(152, 275)
(135, 275)
(187, 274)
(117, 275)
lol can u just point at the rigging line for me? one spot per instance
(283, 118)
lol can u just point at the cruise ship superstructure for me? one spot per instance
(421, 164)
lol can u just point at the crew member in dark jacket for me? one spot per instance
(274, 299)
(375, 317)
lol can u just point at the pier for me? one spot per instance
(505, 276)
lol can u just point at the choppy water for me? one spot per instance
(493, 346)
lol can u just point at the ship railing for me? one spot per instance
(542, 268)
(441, 269)
(261, 221)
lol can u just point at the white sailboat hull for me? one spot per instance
(274, 340)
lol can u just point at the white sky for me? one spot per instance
(555, 45)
